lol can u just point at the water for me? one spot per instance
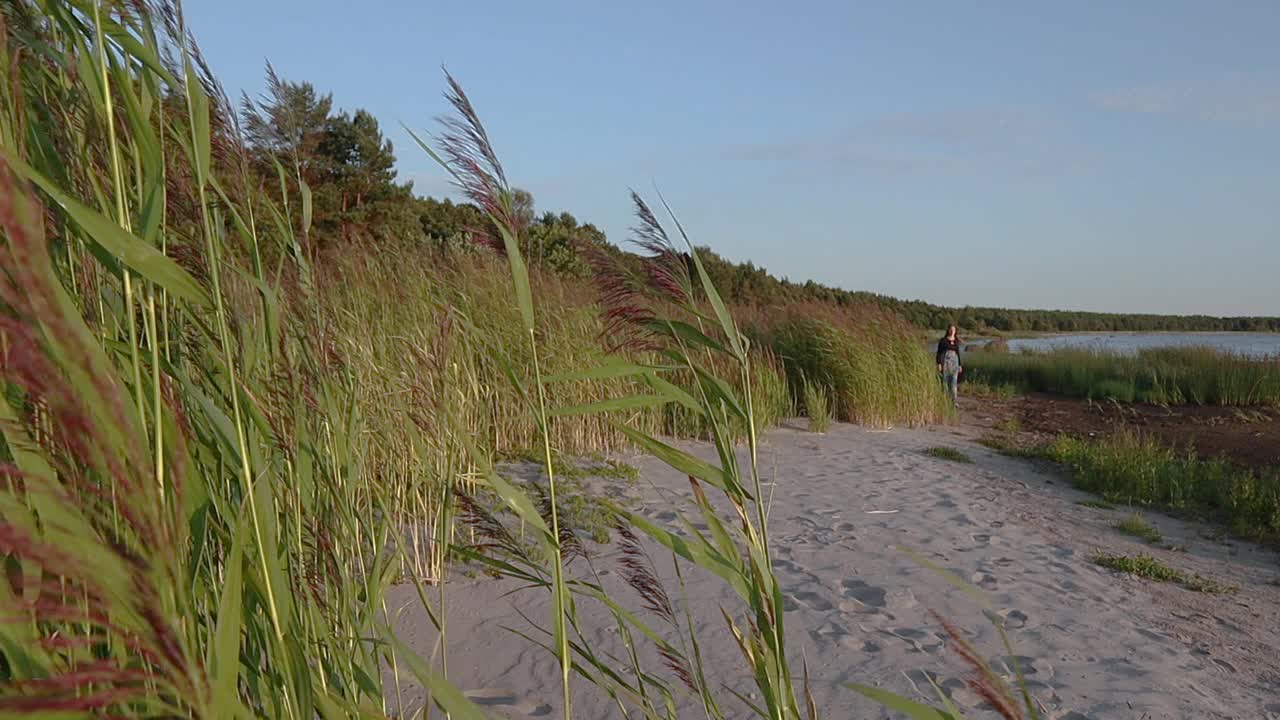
(1248, 344)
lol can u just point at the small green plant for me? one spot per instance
(948, 453)
(1205, 585)
(1136, 526)
(1145, 566)
(817, 406)
(1000, 391)
(1099, 504)
(1010, 425)
(1007, 447)
(589, 514)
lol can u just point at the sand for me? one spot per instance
(1095, 644)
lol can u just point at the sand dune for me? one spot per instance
(1094, 644)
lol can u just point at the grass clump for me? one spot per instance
(1010, 425)
(1136, 526)
(1145, 566)
(948, 453)
(868, 361)
(1010, 448)
(817, 407)
(1139, 470)
(999, 391)
(1165, 376)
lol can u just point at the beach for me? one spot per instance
(1093, 643)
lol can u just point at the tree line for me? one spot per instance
(348, 167)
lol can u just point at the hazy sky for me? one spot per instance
(1114, 156)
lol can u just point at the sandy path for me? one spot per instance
(1095, 644)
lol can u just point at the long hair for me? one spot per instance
(948, 332)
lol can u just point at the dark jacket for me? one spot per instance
(944, 345)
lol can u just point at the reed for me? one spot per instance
(1169, 376)
(221, 446)
(183, 496)
(868, 361)
(817, 407)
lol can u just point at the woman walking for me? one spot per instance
(949, 361)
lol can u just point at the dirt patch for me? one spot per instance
(1247, 436)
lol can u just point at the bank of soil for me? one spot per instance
(1246, 436)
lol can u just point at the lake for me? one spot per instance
(1250, 344)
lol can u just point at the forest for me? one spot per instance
(350, 168)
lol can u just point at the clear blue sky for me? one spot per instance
(1112, 156)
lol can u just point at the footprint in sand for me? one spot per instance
(984, 581)
(982, 539)
(1224, 665)
(1028, 665)
(810, 600)
(783, 564)
(919, 640)
(506, 702)
(1153, 635)
(868, 595)
(1012, 619)
(828, 631)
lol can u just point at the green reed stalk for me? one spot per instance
(197, 106)
(122, 214)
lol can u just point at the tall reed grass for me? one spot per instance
(1168, 376)
(868, 361)
(185, 522)
(219, 455)
(817, 406)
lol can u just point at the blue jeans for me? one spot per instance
(951, 375)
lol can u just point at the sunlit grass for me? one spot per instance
(1136, 526)
(1149, 568)
(1170, 376)
(1137, 470)
(225, 453)
(817, 407)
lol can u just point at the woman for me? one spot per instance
(949, 361)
